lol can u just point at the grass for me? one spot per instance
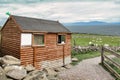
(113, 66)
(84, 39)
(81, 56)
(116, 60)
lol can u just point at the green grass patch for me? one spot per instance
(84, 39)
(82, 56)
(116, 60)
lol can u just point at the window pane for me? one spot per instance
(61, 38)
(26, 39)
(38, 39)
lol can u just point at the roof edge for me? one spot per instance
(31, 31)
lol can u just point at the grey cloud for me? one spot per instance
(66, 12)
(37, 1)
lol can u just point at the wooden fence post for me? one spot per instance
(102, 55)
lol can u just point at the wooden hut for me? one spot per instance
(42, 43)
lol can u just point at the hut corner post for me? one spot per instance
(63, 56)
(102, 55)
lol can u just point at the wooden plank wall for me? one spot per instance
(52, 50)
(10, 39)
(26, 55)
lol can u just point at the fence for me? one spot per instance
(105, 58)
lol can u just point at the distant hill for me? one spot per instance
(94, 27)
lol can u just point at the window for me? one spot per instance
(61, 39)
(26, 39)
(38, 39)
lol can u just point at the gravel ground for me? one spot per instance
(88, 69)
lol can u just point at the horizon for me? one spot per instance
(85, 23)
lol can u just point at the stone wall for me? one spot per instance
(55, 63)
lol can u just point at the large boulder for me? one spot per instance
(9, 68)
(9, 79)
(29, 68)
(0, 61)
(15, 72)
(36, 75)
(50, 71)
(2, 74)
(10, 60)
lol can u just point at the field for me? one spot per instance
(85, 39)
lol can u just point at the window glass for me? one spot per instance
(38, 39)
(61, 39)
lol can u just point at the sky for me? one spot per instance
(64, 11)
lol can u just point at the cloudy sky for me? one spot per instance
(63, 10)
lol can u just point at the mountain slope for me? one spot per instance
(94, 27)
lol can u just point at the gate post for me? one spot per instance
(102, 55)
(63, 55)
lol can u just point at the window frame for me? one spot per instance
(61, 41)
(33, 39)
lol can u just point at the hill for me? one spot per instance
(94, 27)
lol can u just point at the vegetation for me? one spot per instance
(81, 56)
(84, 39)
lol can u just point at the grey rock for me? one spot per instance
(49, 71)
(9, 79)
(9, 68)
(59, 69)
(74, 59)
(50, 77)
(29, 68)
(68, 66)
(0, 61)
(2, 74)
(15, 72)
(10, 60)
(56, 69)
(36, 75)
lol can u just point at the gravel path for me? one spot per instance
(88, 69)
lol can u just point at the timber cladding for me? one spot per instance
(50, 53)
(10, 44)
(26, 55)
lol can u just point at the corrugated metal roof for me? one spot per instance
(42, 25)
